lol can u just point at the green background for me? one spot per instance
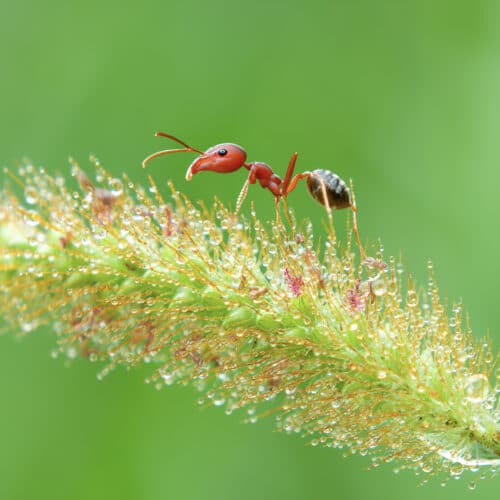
(402, 96)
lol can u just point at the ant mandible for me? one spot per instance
(324, 186)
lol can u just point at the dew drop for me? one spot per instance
(476, 388)
(456, 469)
(31, 195)
(27, 326)
(71, 353)
(382, 374)
(116, 186)
(411, 298)
(353, 327)
(30, 218)
(168, 378)
(379, 288)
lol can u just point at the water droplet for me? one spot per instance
(31, 195)
(223, 376)
(382, 374)
(71, 352)
(353, 327)
(456, 469)
(28, 326)
(476, 388)
(168, 378)
(411, 298)
(379, 288)
(116, 186)
(30, 218)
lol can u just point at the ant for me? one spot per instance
(325, 187)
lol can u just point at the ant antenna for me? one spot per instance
(187, 148)
(182, 143)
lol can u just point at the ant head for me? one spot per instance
(223, 158)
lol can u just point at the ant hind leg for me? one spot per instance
(326, 203)
(355, 224)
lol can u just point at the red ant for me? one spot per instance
(324, 186)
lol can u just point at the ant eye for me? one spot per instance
(222, 152)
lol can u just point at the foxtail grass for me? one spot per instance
(343, 350)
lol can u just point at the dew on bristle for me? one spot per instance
(411, 298)
(116, 186)
(472, 485)
(31, 195)
(31, 218)
(379, 287)
(476, 388)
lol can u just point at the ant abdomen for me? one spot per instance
(336, 190)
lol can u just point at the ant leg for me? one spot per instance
(284, 187)
(355, 229)
(305, 175)
(327, 203)
(289, 173)
(355, 223)
(293, 183)
(244, 190)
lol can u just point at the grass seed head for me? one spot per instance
(349, 354)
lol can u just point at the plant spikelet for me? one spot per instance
(344, 351)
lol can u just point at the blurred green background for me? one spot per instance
(404, 97)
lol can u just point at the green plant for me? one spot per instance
(338, 349)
